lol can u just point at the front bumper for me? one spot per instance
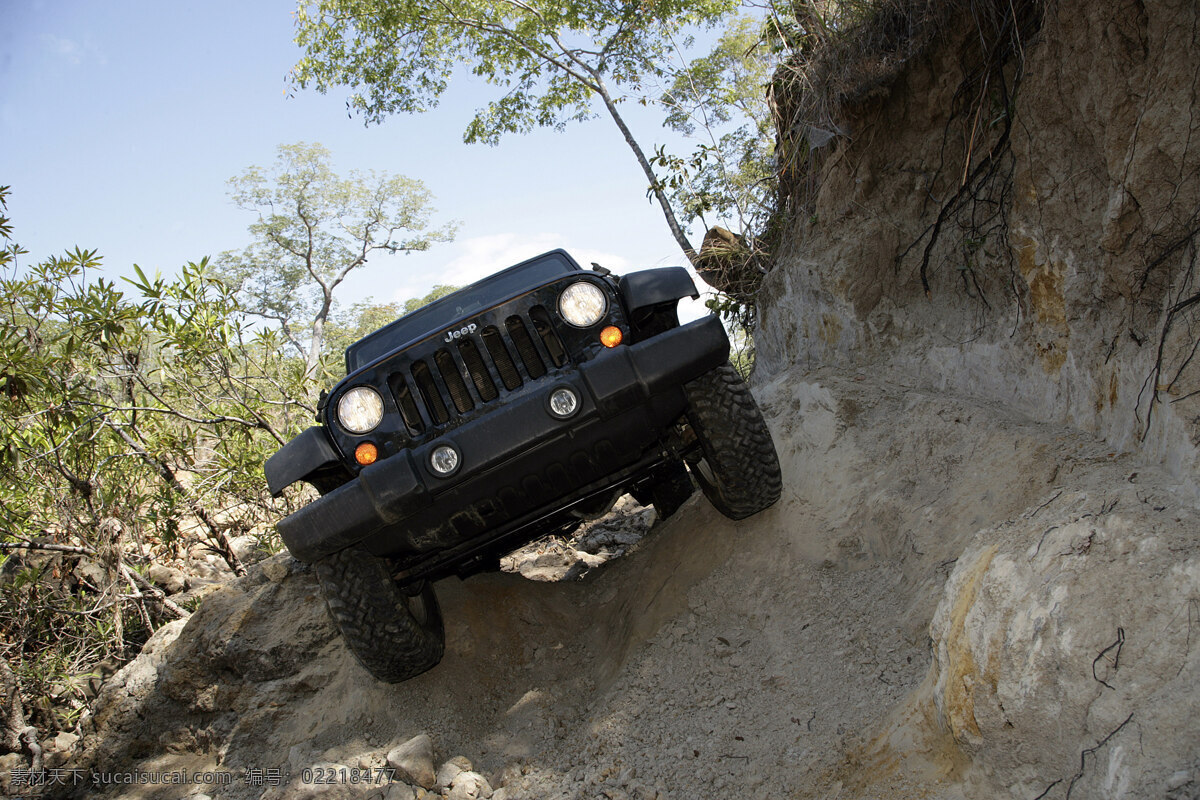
(403, 487)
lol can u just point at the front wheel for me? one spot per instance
(394, 635)
(737, 467)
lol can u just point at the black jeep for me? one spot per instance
(511, 409)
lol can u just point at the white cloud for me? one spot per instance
(480, 256)
(72, 51)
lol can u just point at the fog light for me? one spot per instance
(444, 460)
(611, 336)
(563, 403)
(366, 454)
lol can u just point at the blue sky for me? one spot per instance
(121, 121)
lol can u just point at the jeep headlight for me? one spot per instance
(360, 409)
(582, 304)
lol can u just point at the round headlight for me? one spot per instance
(360, 409)
(582, 304)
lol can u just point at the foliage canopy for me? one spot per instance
(721, 100)
(548, 60)
(135, 417)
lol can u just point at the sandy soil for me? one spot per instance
(788, 655)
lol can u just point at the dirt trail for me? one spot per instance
(788, 655)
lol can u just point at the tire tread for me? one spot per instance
(374, 618)
(736, 443)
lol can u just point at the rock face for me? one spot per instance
(1063, 646)
(1052, 282)
(982, 580)
(1064, 654)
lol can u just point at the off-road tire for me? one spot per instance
(737, 467)
(394, 635)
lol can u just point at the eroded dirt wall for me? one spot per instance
(1061, 280)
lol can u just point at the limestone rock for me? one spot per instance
(11, 763)
(170, 579)
(469, 785)
(58, 749)
(414, 761)
(278, 567)
(450, 770)
(1056, 637)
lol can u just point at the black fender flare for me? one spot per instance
(652, 287)
(299, 458)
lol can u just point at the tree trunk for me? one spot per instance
(314, 348)
(317, 339)
(655, 186)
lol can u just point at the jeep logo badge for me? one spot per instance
(461, 332)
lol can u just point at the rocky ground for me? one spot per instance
(966, 605)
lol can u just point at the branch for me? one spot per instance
(655, 187)
(283, 244)
(24, 544)
(283, 326)
(522, 43)
(187, 417)
(612, 40)
(259, 422)
(158, 594)
(359, 260)
(168, 475)
(311, 236)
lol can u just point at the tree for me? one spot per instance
(130, 423)
(549, 59)
(721, 100)
(313, 229)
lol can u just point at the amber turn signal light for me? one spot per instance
(611, 336)
(366, 453)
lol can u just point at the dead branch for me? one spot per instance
(219, 537)
(158, 595)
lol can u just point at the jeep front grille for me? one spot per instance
(501, 357)
(478, 371)
(525, 347)
(428, 388)
(458, 377)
